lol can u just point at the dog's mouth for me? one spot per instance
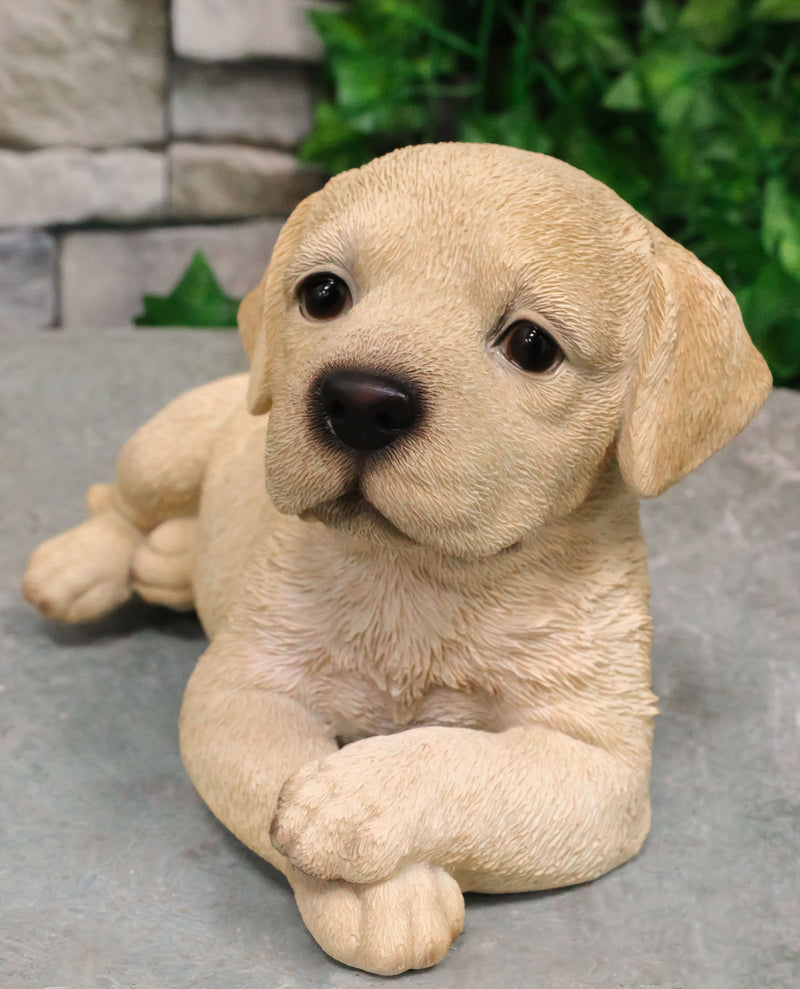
(351, 513)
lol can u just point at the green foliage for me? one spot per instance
(689, 110)
(197, 300)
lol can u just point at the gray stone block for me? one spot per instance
(105, 275)
(69, 185)
(216, 30)
(84, 73)
(228, 181)
(27, 279)
(262, 104)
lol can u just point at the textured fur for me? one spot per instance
(447, 687)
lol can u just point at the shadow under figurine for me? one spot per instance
(429, 659)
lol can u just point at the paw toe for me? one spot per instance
(406, 922)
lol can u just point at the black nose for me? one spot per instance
(366, 411)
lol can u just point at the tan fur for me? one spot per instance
(478, 630)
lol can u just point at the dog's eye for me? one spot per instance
(324, 295)
(531, 348)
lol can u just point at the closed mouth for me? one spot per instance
(349, 510)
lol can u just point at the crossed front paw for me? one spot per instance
(407, 921)
(338, 819)
(330, 823)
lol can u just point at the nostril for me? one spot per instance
(396, 416)
(385, 421)
(336, 410)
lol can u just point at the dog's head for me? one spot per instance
(454, 338)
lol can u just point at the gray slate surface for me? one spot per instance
(113, 874)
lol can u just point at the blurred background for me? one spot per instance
(150, 149)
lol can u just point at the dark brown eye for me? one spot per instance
(530, 347)
(324, 295)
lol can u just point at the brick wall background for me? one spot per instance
(133, 132)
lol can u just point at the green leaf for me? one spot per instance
(337, 32)
(777, 10)
(714, 22)
(771, 311)
(659, 16)
(409, 13)
(197, 300)
(625, 93)
(517, 128)
(673, 79)
(780, 228)
(335, 141)
(578, 30)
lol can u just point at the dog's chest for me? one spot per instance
(374, 646)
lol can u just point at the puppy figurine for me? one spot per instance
(428, 669)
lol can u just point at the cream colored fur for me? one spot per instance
(449, 688)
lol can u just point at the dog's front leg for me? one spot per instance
(240, 742)
(527, 808)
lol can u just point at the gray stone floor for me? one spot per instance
(112, 872)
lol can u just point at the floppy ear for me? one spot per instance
(699, 381)
(252, 329)
(261, 309)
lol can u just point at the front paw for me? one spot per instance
(344, 818)
(408, 921)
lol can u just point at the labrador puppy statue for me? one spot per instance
(428, 669)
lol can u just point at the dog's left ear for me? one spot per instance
(699, 380)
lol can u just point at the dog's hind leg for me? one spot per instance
(163, 562)
(82, 574)
(140, 536)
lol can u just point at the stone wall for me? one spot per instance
(133, 132)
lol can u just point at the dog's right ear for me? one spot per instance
(252, 330)
(261, 310)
